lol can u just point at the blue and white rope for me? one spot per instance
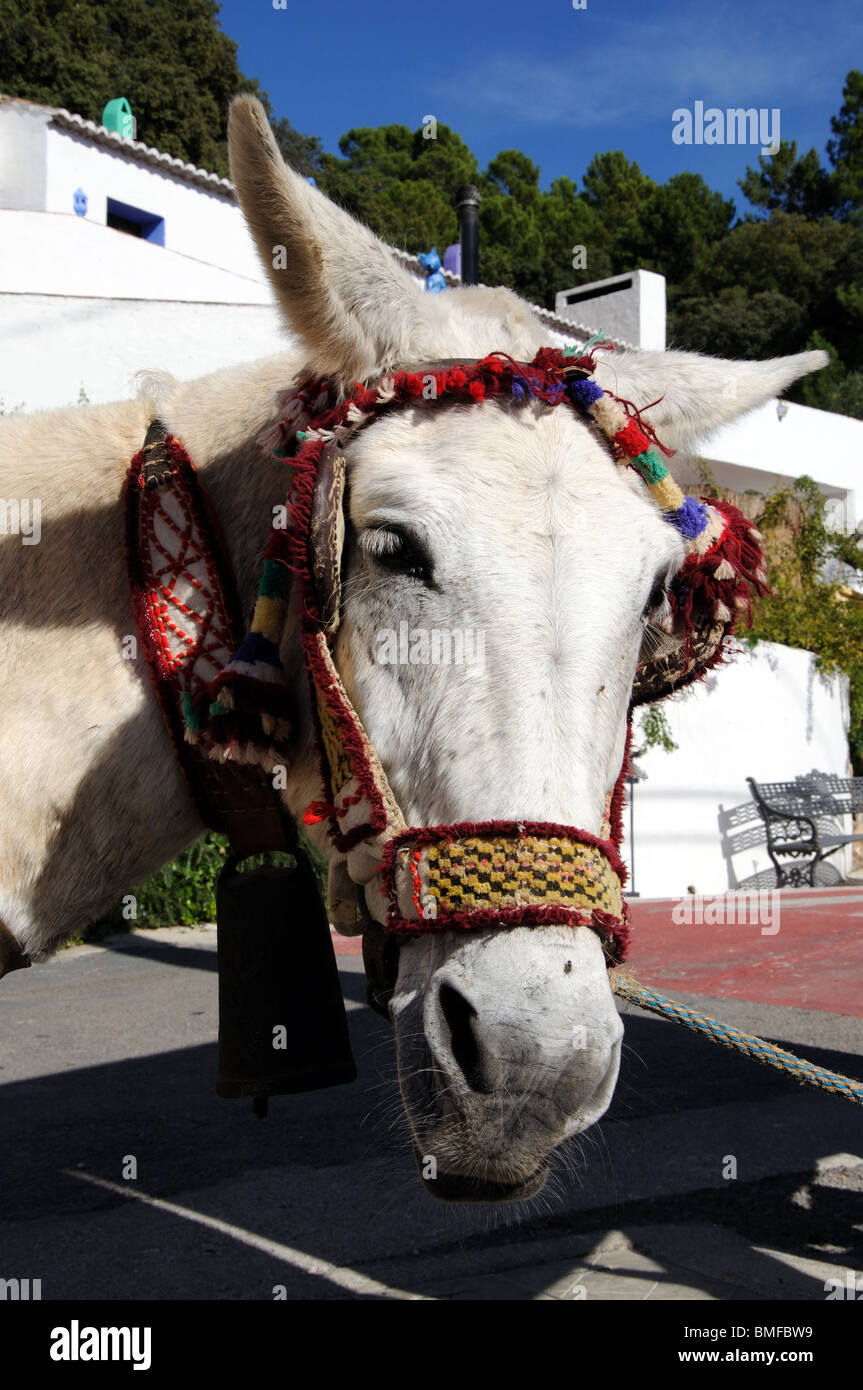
(805, 1072)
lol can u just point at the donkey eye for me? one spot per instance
(398, 551)
(657, 594)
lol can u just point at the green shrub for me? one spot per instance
(812, 605)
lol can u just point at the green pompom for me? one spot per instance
(650, 466)
(275, 580)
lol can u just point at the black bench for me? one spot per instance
(803, 820)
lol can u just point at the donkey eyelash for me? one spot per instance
(658, 596)
(396, 550)
(381, 541)
(656, 643)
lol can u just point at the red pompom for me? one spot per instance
(632, 440)
(549, 358)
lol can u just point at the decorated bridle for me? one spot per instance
(229, 712)
(472, 874)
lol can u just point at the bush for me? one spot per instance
(812, 605)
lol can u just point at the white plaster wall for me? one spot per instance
(55, 254)
(83, 307)
(23, 134)
(206, 225)
(766, 714)
(41, 166)
(761, 449)
(51, 349)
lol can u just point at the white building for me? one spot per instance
(116, 257)
(84, 306)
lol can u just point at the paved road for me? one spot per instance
(109, 1052)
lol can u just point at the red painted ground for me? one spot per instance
(348, 945)
(814, 961)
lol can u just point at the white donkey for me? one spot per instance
(513, 523)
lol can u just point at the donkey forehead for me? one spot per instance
(500, 466)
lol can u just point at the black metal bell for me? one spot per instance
(282, 1021)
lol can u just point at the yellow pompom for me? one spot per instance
(667, 494)
(269, 618)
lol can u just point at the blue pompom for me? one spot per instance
(690, 519)
(255, 647)
(584, 392)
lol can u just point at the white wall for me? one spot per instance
(762, 448)
(23, 140)
(83, 307)
(41, 166)
(55, 254)
(200, 223)
(113, 339)
(767, 714)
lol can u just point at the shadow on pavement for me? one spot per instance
(330, 1176)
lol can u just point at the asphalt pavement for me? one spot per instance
(108, 1054)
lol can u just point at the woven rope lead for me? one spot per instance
(805, 1072)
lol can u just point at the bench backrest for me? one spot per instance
(813, 793)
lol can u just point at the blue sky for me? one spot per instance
(558, 83)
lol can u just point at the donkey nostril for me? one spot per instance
(458, 1016)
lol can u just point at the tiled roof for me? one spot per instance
(143, 154)
(59, 117)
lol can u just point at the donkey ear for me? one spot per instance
(339, 287)
(698, 393)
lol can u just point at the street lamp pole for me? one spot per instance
(636, 774)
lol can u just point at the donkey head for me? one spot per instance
(509, 529)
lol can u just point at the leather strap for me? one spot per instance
(243, 803)
(12, 953)
(327, 534)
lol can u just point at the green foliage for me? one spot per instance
(811, 605)
(848, 399)
(787, 183)
(782, 182)
(614, 187)
(736, 324)
(833, 388)
(400, 184)
(820, 388)
(654, 730)
(674, 226)
(173, 63)
(765, 286)
(845, 150)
